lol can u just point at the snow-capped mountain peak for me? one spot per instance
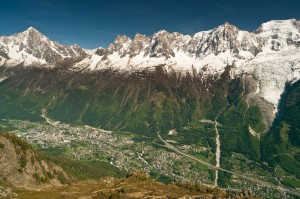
(161, 33)
(32, 30)
(227, 28)
(33, 48)
(119, 45)
(276, 26)
(280, 33)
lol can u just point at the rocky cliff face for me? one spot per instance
(22, 167)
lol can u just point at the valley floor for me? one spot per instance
(86, 143)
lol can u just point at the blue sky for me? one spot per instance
(94, 23)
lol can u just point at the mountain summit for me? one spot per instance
(33, 48)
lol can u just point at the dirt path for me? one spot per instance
(218, 153)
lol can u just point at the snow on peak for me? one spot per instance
(119, 45)
(139, 36)
(161, 32)
(121, 39)
(277, 26)
(226, 27)
(32, 29)
(280, 34)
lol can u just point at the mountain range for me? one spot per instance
(273, 43)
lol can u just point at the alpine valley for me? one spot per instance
(219, 108)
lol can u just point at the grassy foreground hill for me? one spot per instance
(135, 185)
